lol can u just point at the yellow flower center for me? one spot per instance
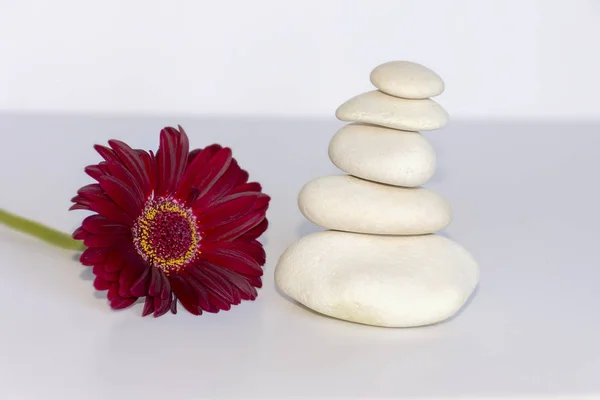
(166, 234)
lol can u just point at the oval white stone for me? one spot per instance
(381, 109)
(407, 79)
(383, 155)
(394, 281)
(350, 204)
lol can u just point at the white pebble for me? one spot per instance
(383, 155)
(391, 281)
(407, 79)
(381, 109)
(350, 204)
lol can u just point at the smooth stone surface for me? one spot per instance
(383, 155)
(381, 109)
(350, 204)
(407, 79)
(394, 281)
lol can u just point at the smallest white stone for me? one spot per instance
(407, 80)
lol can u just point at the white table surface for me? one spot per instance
(526, 204)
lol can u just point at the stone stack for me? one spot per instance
(381, 263)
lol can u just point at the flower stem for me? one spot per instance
(42, 232)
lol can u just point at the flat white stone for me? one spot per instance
(383, 155)
(346, 203)
(407, 79)
(394, 281)
(381, 109)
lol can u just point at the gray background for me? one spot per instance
(525, 198)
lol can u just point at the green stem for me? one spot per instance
(35, 229)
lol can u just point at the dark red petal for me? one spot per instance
(247, 187)
(154, 282)
(165, 291)
(192, 155)
(93, 256)
(171, 160)
(115, 260)
(225, 213)
(195, 165)
(150, 168)
(174, 304)
(225, 284)
(109, 209)
(256, 231)
(101, 284)
(222, 187)
(117, 301)
(122, 174)
(91, 191)
(80, 206)
(218, 302)
(161, 306)
(236, 228)
(200, 292)
(247, 291)
(218, 287)
(93, 240)
(80, 233)
(99, 271)
(253, 248)
(123, 196)
(94, 171)
(232, 258)
(122, 302)
(129, 275)
(242, 177)
(212, 171)
(139, 288)
(255, 281)
(148, 306)
(185, 294)
(103, 226)
(133, 162)
(106, 153)
(262, 203)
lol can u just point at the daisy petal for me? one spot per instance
(193, 169)
(103, 226)
(185, 294)
(148, 306)
(122, 195)
(226, 212)
(101, 284)
(236, 228)
(222, 186)
(171, 160)
(80, 233)
(247, 291)
(139, 288)
(117, 170)
(255, 232)
(212, 171)
(131, 160)
(219, 287)
(93, 240)
(93, 256)
(232, 258)
(161, 306)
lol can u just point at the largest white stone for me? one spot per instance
(350, 204)
(378, 280)
(381, 109)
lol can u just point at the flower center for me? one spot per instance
(166, 235)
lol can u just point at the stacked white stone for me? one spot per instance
(381, 264)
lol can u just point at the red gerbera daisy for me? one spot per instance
(180, 225)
